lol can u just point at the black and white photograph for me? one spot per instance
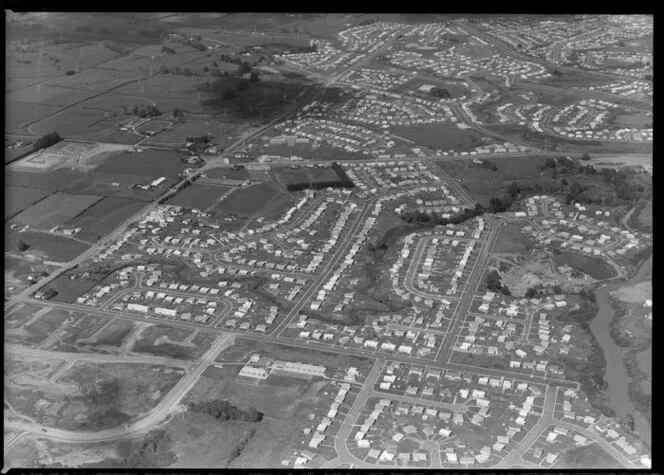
(343, 241)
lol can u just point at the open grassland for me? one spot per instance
(228, 173)
(482, 183)
(221, 132)
(287, 176)
(150, 164)
(442, 136)
(20, 114)
(588, 456)
(199, 196)
(512, 241)
(262, 199)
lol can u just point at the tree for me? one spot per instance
(576, 189)
(550, 162)
(243, 68)
(585, 156)
(47, 140)
(228, 93)
(513, 190)
(531, 293)
(253, 77)
(23, 246)
(496, 205)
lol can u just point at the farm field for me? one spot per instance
(20, 114)
(147, 165)
(54, 247)
(104, 216)
(199, 196)
(221, 133)
(55, 210)
(19, 198)
(443, 136)
(228, 173)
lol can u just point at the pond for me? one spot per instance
(593, 267)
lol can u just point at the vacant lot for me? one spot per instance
(18, 198)
(483, 183)
(79, 327)
(512, 241)
(199, 196)
(589, 456)
(161, 340)
(45, 325)
(115, 333)
(56, 210)
(21, 313)
(104, 216)
(442, 136)
(109, 395)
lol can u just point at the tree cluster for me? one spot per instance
(115, 47)
(344, 181)
(47, 140)
(490, 165)
(439, 92)
(416, 216)
(225, 411)
(145, 110)
(199, 139)
(495, 283)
